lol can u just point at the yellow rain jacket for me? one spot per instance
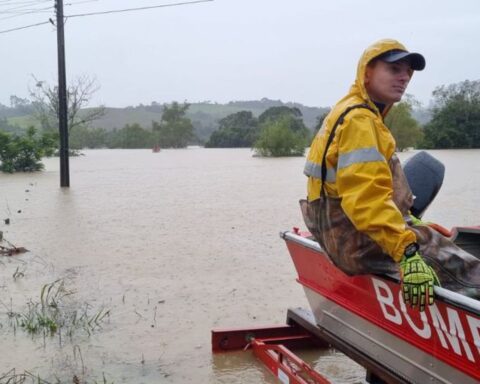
(359, 164)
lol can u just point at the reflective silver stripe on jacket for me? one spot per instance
(315, 170)
(364, 155)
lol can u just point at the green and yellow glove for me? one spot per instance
(418, 279)
(417, 221)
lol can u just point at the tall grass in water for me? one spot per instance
(53, 313)
(11, 377)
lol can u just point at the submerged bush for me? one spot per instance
(24, 153)
(277, 138)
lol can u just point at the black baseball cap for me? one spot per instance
(416, 60)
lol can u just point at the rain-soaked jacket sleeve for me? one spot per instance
(365, 185)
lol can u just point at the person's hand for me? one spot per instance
(418, 280)
(416, 221)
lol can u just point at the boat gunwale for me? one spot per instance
(449, 297)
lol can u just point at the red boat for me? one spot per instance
(367, 313)
(365, 316)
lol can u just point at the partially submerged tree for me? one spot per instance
(174, 130)
(130, 136)
(79, 93)
(86, 137)
(238, 129)
(277, 113)
(282, 133)
(24, 153)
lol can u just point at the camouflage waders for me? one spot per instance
(355, 253)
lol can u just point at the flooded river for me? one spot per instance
(173, 244)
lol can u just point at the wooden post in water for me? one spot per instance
(62, 98)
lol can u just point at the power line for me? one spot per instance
(23, 4)
(25, 9)
(19, 2)
(26, 12)
(25, 27)
(137, 9)
(81, 2)
(102, 12)
(31, 4)
(22, 10)
(16, 2)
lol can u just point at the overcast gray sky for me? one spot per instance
(303, 50)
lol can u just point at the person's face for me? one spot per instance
(386, 82)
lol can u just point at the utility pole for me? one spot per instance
(62, 98)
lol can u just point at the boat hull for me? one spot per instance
(441, 345)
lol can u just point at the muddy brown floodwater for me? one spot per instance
(174, 244)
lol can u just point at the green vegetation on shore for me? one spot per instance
(270, 127)
(456, 117)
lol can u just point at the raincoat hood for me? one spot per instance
(358, 88)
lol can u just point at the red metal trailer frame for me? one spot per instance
(274, 346)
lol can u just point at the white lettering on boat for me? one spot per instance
(454, 334)
(451, 333)
(474, 325)
(386, 301)
(426, 331)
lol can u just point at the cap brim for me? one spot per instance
(416, 60)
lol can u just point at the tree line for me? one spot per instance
(278, 131)
(456, 117)
(174, 130)
(455, 123)
(23, 151)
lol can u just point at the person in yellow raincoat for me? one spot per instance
(358, 197)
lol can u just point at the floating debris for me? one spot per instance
(10, 251)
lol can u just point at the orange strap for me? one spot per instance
(442, 230)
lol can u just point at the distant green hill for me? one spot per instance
(205, 116)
